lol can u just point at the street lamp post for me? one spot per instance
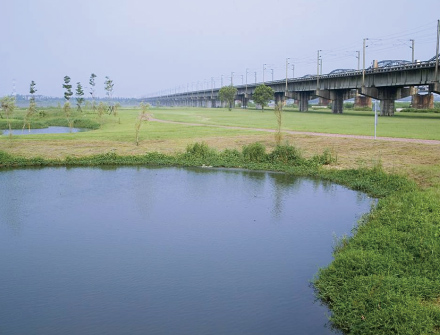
(287, 65)
(412, 47)
(272, 73)
(317, 69)
(232, 78)
(363, 62)
(264, 68)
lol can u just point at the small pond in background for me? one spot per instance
(48, 130)
(134, 250)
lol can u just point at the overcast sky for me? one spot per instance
(148, 47)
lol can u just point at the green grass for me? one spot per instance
(409, 125)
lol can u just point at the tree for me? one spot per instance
(278, 113)
(92, 89)
(143, 116)
(67, 95)
(8, 106)
(109, 92)
(32, 106)
(262, 95)
(68, 88)
(228, 93)
(79, 96)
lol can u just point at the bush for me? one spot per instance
(199, 150)
(414, 110)
(349, 105)
(363, 109)
(286, 154)
(255, 152)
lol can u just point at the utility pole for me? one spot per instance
(264, 68)
(317, 70)
(287, 65)
(232, 78)
(212, 87)
(363, 62)
(412, 47)
(359, 59)
(437, 51)
(293, 71)
(246, 82)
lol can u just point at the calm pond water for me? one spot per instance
(48, 130)
(133, 250)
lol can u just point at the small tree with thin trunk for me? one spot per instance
(143, 116)
(227, 94)
(32, 106)
(67, 95)
(8, 107)
(109, 92)
(79, 96)
(278, 113)
(92, 90)
(262, 95)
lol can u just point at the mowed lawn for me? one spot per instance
(408, 125)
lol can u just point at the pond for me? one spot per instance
(134, 250)
(48, 130)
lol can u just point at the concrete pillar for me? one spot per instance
(338, 102)
(323, 101)
(279, 97)
(387, 107)
(304, 101)
(422, 101)
(362, 101)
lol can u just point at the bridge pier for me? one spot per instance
(362, 101)
(303, 99)
(422, 101)
(337, 97)
(387, 97)
(279, 98)
(323, 101)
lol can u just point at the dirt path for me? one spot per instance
(391, 139)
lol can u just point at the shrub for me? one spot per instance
(414, 110)
(199, 150)
(363, 109)
(255, 152)
(286, 154)
(349, 105)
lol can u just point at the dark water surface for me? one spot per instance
(166, 250)
(48, 130)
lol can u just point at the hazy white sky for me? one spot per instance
(148, 47)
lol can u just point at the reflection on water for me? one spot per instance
(48, 130)
(138, 250)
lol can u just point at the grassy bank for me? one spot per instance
(384, 279)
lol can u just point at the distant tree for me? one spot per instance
(79, 96)
(92, 90)
(227, 94)
(67, 95)
(109, 92)
(8, 107)
(32, 106)
(262, 95)
(68, 88)
(102, 107)
(143, 116)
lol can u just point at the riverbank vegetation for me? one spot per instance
(385, 277)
